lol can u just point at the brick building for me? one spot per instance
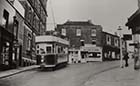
(34, 25)
(89, 43)
(11, 31)
(21, 21)
(81, 35)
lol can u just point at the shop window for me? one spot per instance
(5, 18)
(5, 53)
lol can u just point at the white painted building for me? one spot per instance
(85, 54)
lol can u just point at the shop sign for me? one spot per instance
(91, 49)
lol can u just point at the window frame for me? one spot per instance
(93, 32)
(78, 32)
(63, 31)
(5, 18)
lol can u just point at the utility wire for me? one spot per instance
(52, 11)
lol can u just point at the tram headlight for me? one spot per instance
(42, 59)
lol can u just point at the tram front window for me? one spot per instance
(50, 59)
(48, 49)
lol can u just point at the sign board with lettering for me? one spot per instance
(94, 53)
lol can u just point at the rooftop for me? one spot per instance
(85, 23)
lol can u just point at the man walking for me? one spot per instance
(136, 58)
(126, 57)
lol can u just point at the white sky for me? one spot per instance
(108, 13)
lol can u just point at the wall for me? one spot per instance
(85, 34)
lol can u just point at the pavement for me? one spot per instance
(11, 72)
(126, 76)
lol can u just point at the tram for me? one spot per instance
(51, 51)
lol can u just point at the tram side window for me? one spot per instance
(37, 51)
(59, 49)
(48, 49)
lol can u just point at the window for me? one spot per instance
(108, 39)
(16, 23)
(59, 50)
(82, 42)
(116, 43)
(76, 52)
(93, 32)
(48, 49)
(4, 22)
(78, 32)
(93, 42)
(63, 32)
(94, 55)
(94, 38)
(37, 46)
(29, 42)
(37, 51)
(5, 18)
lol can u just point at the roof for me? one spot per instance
(110, 34)
(51, 39)
(85, 23)
(133, 17)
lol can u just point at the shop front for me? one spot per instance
(110, 53)
(91, 53)
(6, 48)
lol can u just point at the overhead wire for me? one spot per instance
(53, 16)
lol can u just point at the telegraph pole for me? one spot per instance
(121, 56)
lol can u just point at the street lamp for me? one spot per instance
(15, 41)
(121, 56)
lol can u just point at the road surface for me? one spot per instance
(72, 75)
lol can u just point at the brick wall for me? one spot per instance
(85, 34)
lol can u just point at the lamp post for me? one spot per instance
(121, 56)
(15, 42)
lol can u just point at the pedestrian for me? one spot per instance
(125, 58)
(136, 58)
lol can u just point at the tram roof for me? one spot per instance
(51, 39)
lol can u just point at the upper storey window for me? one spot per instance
(78, 32)
(5, 18)
(108, 39)
(63, 32)
(93, 32)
